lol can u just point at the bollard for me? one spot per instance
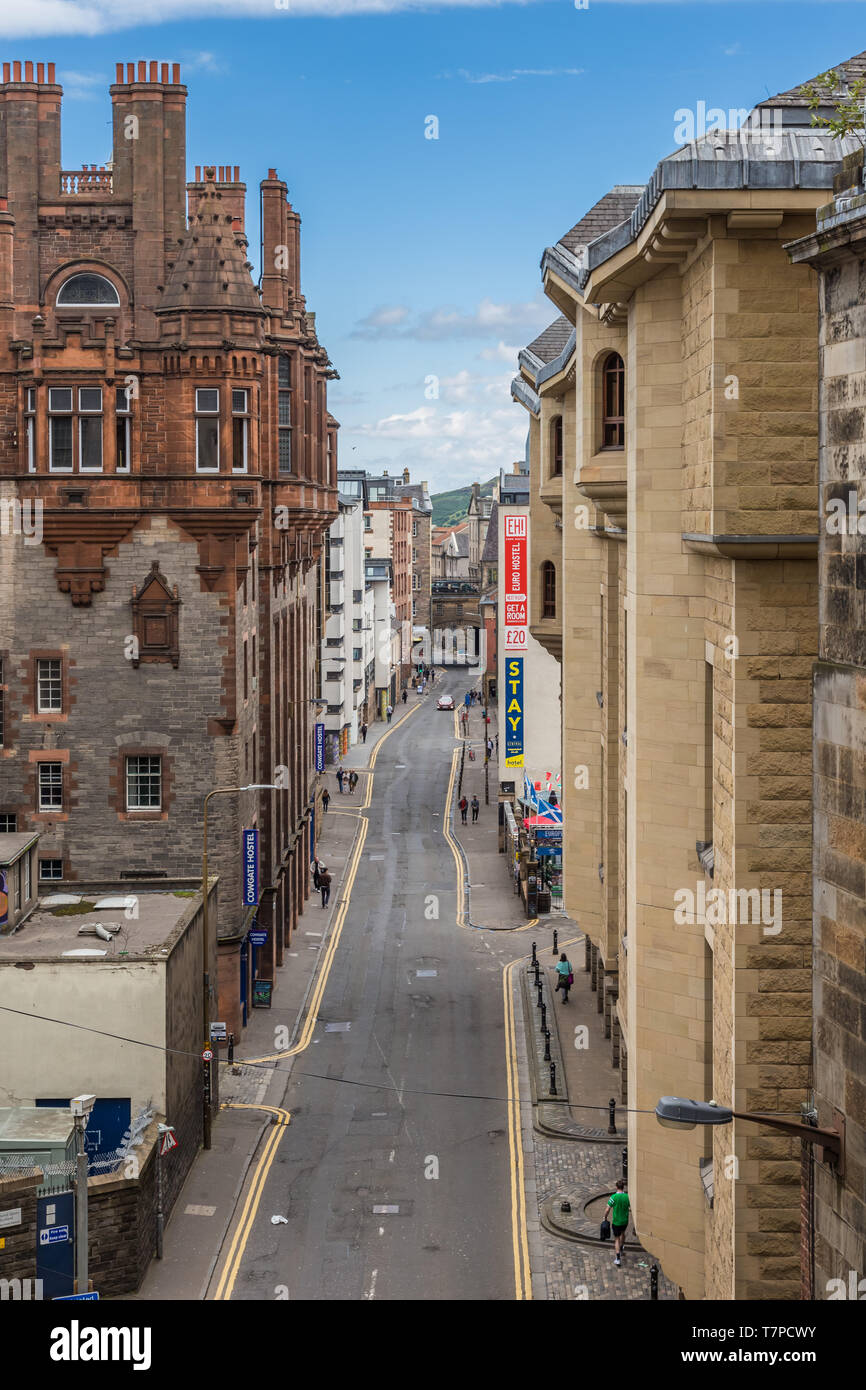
(553, 1090)
(540, 1000)
(543, 1016)
(611, 1123)
(533, 961)
(537, 974)
(625, 1166)
(231, 1049)
(654, 1281)
(555, 940)
(547, 1044)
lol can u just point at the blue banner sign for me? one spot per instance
(251, 867)
(259, 937)
(514, 711)
(320, 747)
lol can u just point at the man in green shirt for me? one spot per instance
(620, 1208)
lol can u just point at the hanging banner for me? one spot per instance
(516, 577)
(514, 712)
(320, 747)
(251, 867)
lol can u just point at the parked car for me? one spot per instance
(445, 702)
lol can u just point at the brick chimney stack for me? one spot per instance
(149, 107)
(29, 161)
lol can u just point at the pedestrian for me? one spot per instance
(476, 807)
(620, 1208)
(432, 676)
(363, 733)
(564, 976)
(315, 873)
(353, 780)
(324, 884)
(464, 807)
(326, 798)
(340, 779)
(489, 749)
(406, 694)
(389, 711)
(497, 743)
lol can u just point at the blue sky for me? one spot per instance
(420, 257)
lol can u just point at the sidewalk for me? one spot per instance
(492, 900)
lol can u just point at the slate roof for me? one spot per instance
(608, 212)
(210, 269)
(418, 492)
(461, 543)
(850, 71)
(490, 553)
(550, 343)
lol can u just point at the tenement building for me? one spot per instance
(675, 437)
(167, 476)
(835, 1248)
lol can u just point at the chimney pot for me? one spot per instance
(154, 69)
(198, 173)
(51, 73)
(6, 72)
(28, 72)
(237, 173)
(272, 173)
(163, 74)
(40, 73)
(130, 72)
(175, 72)
(16, 72)
(142, 70)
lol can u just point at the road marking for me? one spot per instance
(519, 1237)
(254, 1196)
(391, 1155)
(198, 1211)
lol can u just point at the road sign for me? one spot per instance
(76, 1298)
(53, 1235)
(218, 1032)
(168, 1141)
(259, 937)
(207, 1055)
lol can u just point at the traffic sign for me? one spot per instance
(207, 1055)
(218, 1031)
(53, 1235)
(168, 1141)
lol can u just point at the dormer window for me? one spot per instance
(87, 291)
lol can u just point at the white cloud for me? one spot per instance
(448, 323)
(513, 74)
(83, 86)
(501, 353)
(90, 17)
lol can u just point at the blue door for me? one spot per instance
(106, 1125)
(244, 986)
(55, 1243)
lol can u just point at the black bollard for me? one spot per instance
(547, 1044)
(231, 1049)
(540, 1000)
(543, 1016)
(533, 955)
(625, 1166)
(537, 974)
(611, 1124)
(654, 1281)
(555, 940)
(553, 1090)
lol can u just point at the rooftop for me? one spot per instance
(11, 845)
(52, 930)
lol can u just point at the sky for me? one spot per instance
(420, 256)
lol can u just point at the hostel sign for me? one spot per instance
(251, 867)
(514, 711)
(516, 575)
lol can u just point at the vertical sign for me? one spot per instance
(251, 867)
(514, 711)
(516, 596)
(320, 747)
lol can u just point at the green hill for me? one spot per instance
(450, 507)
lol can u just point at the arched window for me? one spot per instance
(87, 291)
(613, 402)
(548, 589)
(556, 447)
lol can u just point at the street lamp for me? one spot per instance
(675, 1113)
(81, 1107)
(217, 791)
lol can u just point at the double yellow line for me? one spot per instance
(254, 1196)
(519, 1238)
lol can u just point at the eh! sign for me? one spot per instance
(251, 867)
(514, 712)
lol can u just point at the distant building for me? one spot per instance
(347, 664)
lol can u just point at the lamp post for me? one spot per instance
(217, 791)
(81, 1107)
(675, 1113)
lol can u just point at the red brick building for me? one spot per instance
(164, 423)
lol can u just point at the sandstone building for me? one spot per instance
(166, 421)
(673, 445)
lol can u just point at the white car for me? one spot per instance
(445, 702)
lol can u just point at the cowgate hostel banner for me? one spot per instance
(251, 867)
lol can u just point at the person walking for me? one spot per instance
(406, 693)
(620, 1209)
(353, 781)
(432, 676)
(363, 733)
(389, 711)
(489, 749)
(324, 884)
(464, 807)
(340, 779)
(326, 801)
(315, 873)
(476, 807)
(564, 976)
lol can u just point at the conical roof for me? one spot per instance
(210, 270)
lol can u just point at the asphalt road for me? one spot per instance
(375, 1122)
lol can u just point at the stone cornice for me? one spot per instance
(754, 547)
